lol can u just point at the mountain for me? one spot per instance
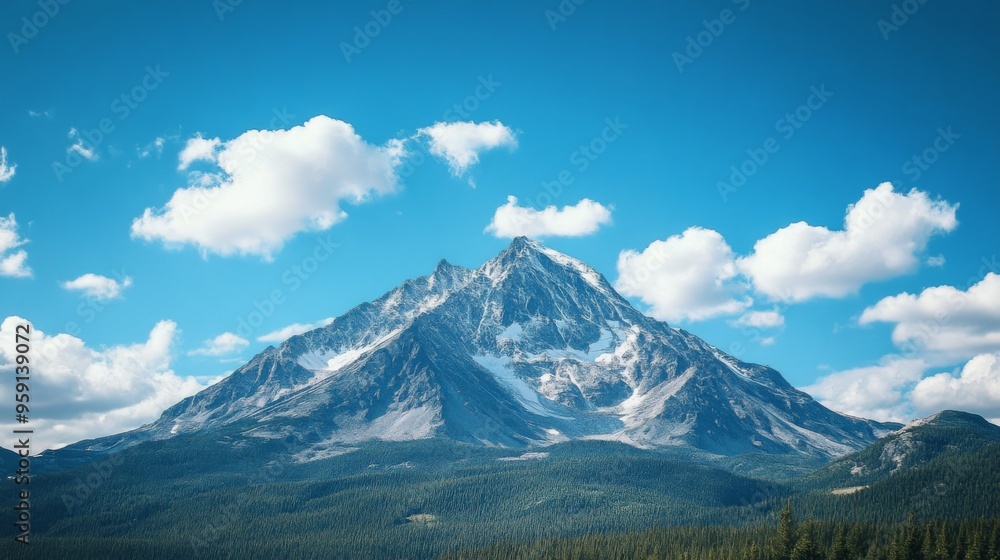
(937, 438)
(532, 348)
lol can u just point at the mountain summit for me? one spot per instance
(533, 347)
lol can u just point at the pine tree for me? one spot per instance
(806, 547)
(784, 540)
(975, 551)
(839, 550)
(994, 553)
(941, 547)
(914, 542)
(897, 551)
(927, 548)
(854, 542)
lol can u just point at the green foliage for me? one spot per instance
(216, 497)
(816, 541)
(806, 547)
(785, 539)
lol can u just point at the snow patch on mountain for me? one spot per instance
(532, 348)
(327, 362)
(502, 370)
(588, 274)
(636, 410)
(512, 332)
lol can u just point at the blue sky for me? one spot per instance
(670, 99)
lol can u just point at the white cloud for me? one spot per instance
(100, 288)
(460, 143)
(272, 185)
(78, 392)
(943, 322)
(83, 149)
(878, 392)
(883, 235)
(937, 260)
(511, 220)
(7, 170)
(198, 149)
(285, 333)
(896, 389)
(761, 319)
(225, 343)
(154, 146)
(689, 276)
(12, 263)
(976, 388)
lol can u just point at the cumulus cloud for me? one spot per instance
(198, 148)
(460, 143)
(879, 392)
(285, 333)
(271, 185)
(690, 276)
(225, 343)
(100, 288)
(761, 319)
(13, 261)
(943, 322)
(896, 389)
(78, 392)
(82, 148)
(883, 236)
(939, 326)
(585, 218)
(976, 388)
(7, 170)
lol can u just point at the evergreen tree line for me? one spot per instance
(789, 539)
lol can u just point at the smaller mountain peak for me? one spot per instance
(520, 250)
(522, 242)
(443, 266)
(952, 418)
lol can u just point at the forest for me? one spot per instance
(441, 499)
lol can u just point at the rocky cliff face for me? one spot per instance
(533, 347)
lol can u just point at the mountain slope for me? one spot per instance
(937, 437)
(533, 347)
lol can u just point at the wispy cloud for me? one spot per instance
(13, 261)
(225, 343)
(82, 148)
(7, 170)
(289, 331)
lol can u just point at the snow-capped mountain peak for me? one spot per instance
(531, 348)
(526, 253)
